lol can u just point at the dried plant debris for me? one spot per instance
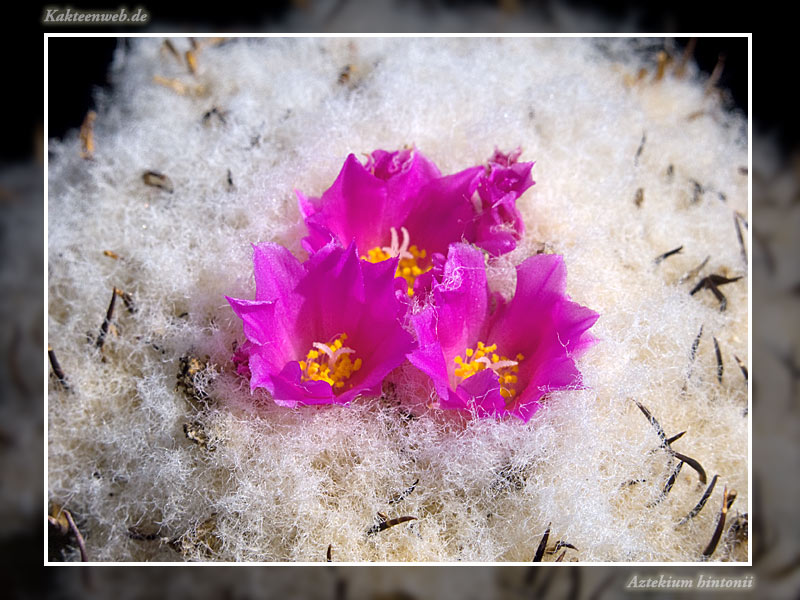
(57, 519)
(703, 499)
(696, 115)
(191, 61)
(158, 180)
(509, 477)
(697, 191)
(629, 80)
(715, 74)
(712, 283)
(738, 532)
(742, 368)
(384, 523)
(720, 366)
(169, 47)
(631, 482)
(692, 357)
(680, 67)
(542, 545)
(196, 432)
(701, 472)
(692, 273)
(111, 254)
(56, 366)
(663, 60)
(101, 338)
(78, 537)
(695, 344)
(675, 437)
(63, 533)
(192, 372)
(87, 135)
(127, 300)
(180, 88)
(559, 545)
(736, 219)
(404, 494)
(667, 254)
(731, 498)
(668, 486)
(656, 425)
(665, 444)
(712, 545)
(214, 111)
(345, 74)
(640, 149)
(201, 540)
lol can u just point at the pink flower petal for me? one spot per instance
(429, 357)
(499, 225)
(481, 393)
(405, 191)
(461, 298)
(333, 293)
(351, 209)
(540, 329)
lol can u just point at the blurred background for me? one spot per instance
(78, 66)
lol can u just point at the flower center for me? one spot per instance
(330, 363)
(408, 268)
(486, 357)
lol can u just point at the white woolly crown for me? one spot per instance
(160, 450)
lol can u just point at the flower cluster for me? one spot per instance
(394, 229)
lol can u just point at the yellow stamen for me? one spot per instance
(330, 363)
(408, 267)
(484, 357)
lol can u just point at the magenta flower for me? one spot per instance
(399, 205)
(503, 360)
(321, 332)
